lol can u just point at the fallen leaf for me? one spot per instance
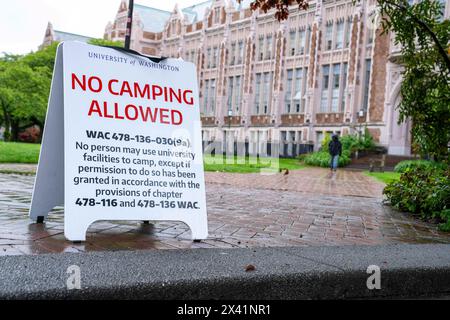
(250, 267)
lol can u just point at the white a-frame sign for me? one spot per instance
(122, 141)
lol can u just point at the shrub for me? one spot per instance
(424, 191)
(406, 165)
(31, 134)
(350, 143)
(323, 158)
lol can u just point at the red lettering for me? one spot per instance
(126, 88)
(82, 83)
(127, 112)
(154, 94)
(99, 84)
(148, 113)
(143, 94)
(163, 115)
(116, 111)
(180, 117)
(95, 107)
(110, 86)
(105, 111)
(188, 100)
(174, 94)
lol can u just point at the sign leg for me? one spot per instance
(198, 231)
(48, 189)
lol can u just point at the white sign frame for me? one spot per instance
(52, 186)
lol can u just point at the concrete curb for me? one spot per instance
(281, 273)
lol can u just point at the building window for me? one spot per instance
(266, 94)
(173, 28)
(329, 36)
(297, 99)
(367, 84)
(295, 90)
(209, 97)
(335, 88)
(237, 95)
(241, 52)
(208, 57)
(230, 95)
(292, 43)
(257, 92)
(269, 45)
(348, 33)
(216, 15)
(307, 38)
(205, 97)
(301, 42)
(325, 86)
(288, 95)
(370, 35)
(344, 85)
(213, 96)
(232, 53)
(339, 34)
(214, 58)
(260, 49)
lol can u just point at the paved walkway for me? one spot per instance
(304, 208)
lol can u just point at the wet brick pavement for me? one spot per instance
(304, 208)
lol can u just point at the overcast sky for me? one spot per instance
(23, 22)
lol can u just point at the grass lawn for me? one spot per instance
(248, 165)
(384, 177)
(17, 152)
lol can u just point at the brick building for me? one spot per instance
(327, 69)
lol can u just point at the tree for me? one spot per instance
(424, 36)
(25, 86)
(23, 98)
(104, 42)
(24, 89)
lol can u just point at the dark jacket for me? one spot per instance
(335, 147)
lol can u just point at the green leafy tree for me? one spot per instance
(104, 42)
(23, 98)
(24, 89)
(424, 36)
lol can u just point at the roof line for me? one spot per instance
(141, 5)
(75, 34)
(197, 4)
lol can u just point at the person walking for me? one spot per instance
(335, 150)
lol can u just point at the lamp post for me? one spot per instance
(230, 113)
(360, 115)
(129, 24)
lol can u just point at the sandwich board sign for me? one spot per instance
(122, 141)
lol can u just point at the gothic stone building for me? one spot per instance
(327, 69)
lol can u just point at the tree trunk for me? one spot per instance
(7, 120)
(14, 130)
(41, 132)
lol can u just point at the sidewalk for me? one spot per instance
(304, 208)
